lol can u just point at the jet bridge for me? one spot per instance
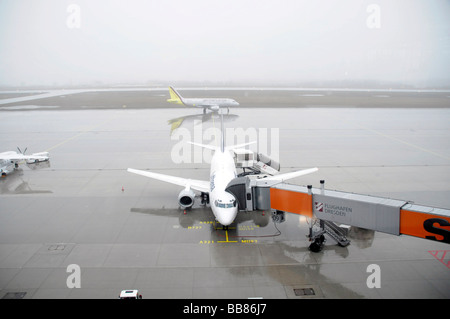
(336, 211)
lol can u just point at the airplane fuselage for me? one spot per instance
(10, 160)
(223, 204)
(213, 104)
(210, 102)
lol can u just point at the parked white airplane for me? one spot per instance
(10, 160)
(213, 104)
(223, 170)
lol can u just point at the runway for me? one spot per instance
(254, 97)
(126, 231)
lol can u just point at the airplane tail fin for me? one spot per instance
(175, 97)
(222, 134)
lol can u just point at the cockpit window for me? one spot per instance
(225, 205)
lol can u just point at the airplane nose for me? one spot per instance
(226, 217)
(225, 221)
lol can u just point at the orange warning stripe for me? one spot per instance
(292, 202)
(429, 226)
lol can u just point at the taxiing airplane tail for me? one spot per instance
(175, 97)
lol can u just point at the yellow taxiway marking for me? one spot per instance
(227, 241)
(396, 139)
(405, 143)
(81, 133)
(66, 140)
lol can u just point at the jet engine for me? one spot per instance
(186, 198)
(6, 167)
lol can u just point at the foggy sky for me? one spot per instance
(46, 42)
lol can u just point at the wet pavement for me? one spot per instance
(126, 231)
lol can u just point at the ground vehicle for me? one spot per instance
(130, 294)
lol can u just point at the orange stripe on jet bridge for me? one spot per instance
(291, 202)
(423, 225)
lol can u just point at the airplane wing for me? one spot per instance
(202, 186)
(210, 147)
(233, 147)
(215, 148)
(11, 156)
(286, 176)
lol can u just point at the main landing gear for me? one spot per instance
(204, 198)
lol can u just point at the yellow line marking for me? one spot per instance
(404, 142)
(81, 133)
(397, 140)
(227, 241)
(65, 141)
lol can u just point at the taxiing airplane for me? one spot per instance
(214, 104)
(11, 160)
(223, 170)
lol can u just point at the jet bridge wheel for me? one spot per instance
(318, 244)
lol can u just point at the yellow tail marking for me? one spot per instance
(174, 97)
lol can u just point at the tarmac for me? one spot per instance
(125, 231)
